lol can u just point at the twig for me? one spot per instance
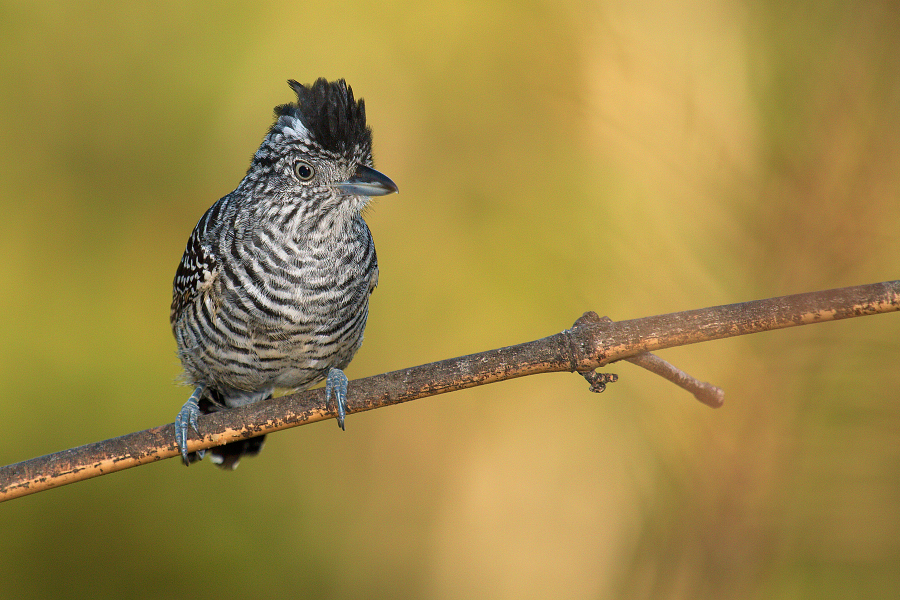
(591, 343)
(706, 393)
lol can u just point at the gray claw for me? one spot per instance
(336, 384)
(187, 418)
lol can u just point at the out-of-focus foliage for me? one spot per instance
(553, 157)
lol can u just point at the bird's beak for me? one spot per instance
(368, 182)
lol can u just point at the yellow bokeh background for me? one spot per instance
(631, 158)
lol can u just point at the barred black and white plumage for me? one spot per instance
(273, 288)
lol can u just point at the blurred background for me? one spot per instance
(631, 158)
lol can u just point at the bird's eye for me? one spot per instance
(303, 170)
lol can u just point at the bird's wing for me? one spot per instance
(195, 274)
(373, 281)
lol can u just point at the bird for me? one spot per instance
(272, 292)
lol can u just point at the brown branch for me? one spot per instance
(592, 342)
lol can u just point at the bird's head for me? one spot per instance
(320, 149)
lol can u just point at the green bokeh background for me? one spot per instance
(632, 158)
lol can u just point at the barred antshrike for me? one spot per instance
(273, 289)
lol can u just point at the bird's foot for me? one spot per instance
(336, 384)
(187, 418)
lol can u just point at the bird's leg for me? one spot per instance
(187, 417)
(336, 384)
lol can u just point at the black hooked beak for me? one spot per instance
(368, 182)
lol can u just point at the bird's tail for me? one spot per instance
(229, 455)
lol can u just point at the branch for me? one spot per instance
(706, 393)
(591, 343)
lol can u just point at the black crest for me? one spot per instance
(328, 111)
